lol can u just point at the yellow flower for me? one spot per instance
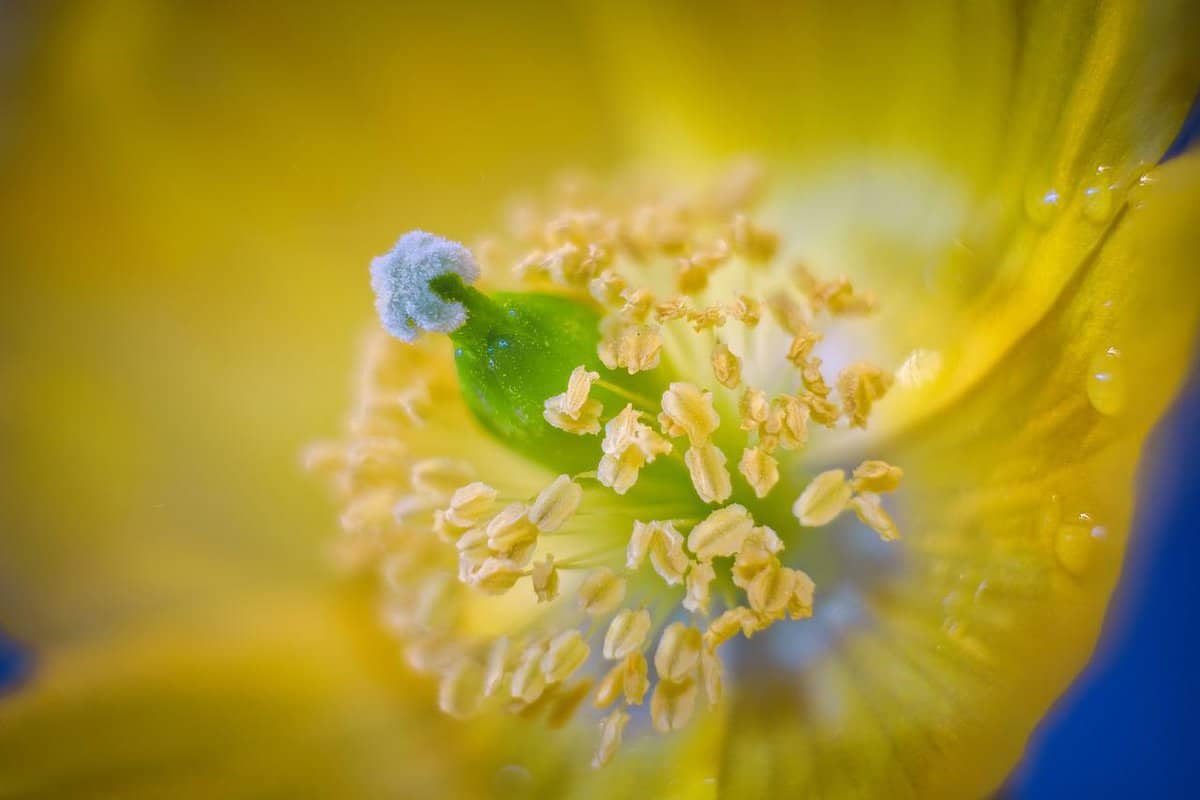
(831, 504)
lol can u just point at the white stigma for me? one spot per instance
(400, 279)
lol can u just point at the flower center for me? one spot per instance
(641, 496)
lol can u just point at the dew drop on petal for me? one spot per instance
(1098, 203)
(1140, 190)
(1042, 204)
(1106, 382)
(513, 781)
(1075, 543)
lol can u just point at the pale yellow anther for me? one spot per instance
(803, 279)
(787, 422)
(619, 471)
(544, 575)
(470, 504)
(672, 704)
(499, 665)
(710, 675)
(610, 687)
(446, 530)
(822, 411)
(771, 590)
(460, 692)
(671, 309)
(511, 534)
(731, 622)
(869, 509)
(531, 265)
(555, 504)
(629, 444)
(727, 367)
(760, 469)
(585, 423)
(611, 729)
(677, 653)
(567, 652)
(752, 241)
(876, 476)
(601, 592)
(472, 549)
(766, 537)
(439, 477)
(567, 265)
(793, 314)
(606, 288)
(753, 407)
(687, 410)
(579, 385)
(667, 556)
(597, 258)
(756, 554)
(528, 680)
(691, 277)
(746, 310)
(495, 575)
(721, 533)
(636, 679)
(626, 633)
(636, 348)
(921, 367)
(638, 305)
(801, 346)
(860, 386)
(826, 496)
(812, 377)
(706, 318)
(699, 582)
(839, 297)
(663, 544)
(710, 478)
(573, 411)
(800, 605)
(565, 701)
(406, 506)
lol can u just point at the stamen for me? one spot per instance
(528, 367)
(678, 652)
(601, 592)
(544, 576)
(626, 633)
(710, 478)
(688, 411)
(823, 499)
(555, 504)
(721, 533)
(611, 729)
(727, 368)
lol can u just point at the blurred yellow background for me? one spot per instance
(192, 193)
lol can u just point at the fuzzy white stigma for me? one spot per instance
(400, 279)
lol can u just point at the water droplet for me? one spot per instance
(1075, 543)
(1098, 203)
(1042, 204)
(1141, 190)
(1106, 382)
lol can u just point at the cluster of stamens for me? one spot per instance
(609, 597)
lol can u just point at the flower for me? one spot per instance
(763, 592)
(979, 252)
